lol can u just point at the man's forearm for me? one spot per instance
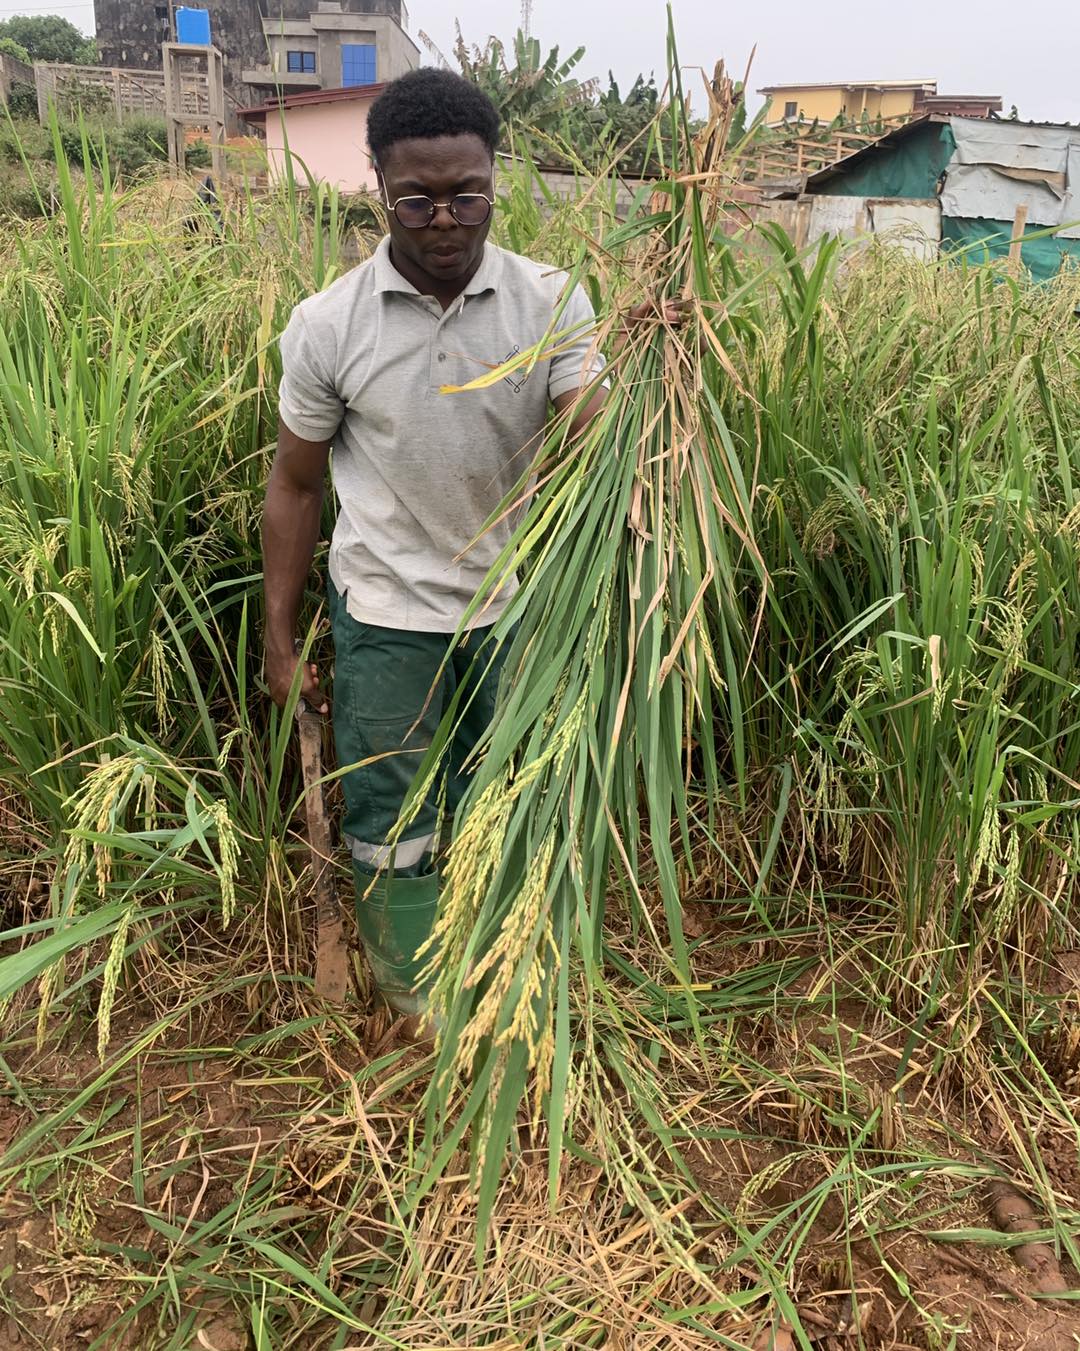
(291, 518)
(586, 409)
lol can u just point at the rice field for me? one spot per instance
(761, 969)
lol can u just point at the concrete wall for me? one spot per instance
(130, 32)
(324, 34)
(401, 53)
(565, 185)
(291, 35)
(822, 103)
(13, 71)
(894, 103)
(914, 227)
(395, 53)
(329, 138)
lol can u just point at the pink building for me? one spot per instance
(324, 131)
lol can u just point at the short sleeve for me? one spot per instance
(308, 401)
(581, 362)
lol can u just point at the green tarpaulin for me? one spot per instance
(903, 166)
(909, 166)
(988, 239)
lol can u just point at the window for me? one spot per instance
(300, 63)
(357, 64)
(791, 111)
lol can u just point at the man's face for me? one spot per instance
(440, 168)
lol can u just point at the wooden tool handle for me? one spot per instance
(331, 968)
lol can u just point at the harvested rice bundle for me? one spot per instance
(628, 555)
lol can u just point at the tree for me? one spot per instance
(562, 120)
(47, 37)
(609, 129)
(533, 95)
(8, 47)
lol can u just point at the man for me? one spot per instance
(418, 475)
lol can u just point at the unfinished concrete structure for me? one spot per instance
(271, 46)
(333, 46)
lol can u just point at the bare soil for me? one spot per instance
(81, 1226)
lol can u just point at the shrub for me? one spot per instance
(71, 142)
(22, 101)
(9, 47)
(137, 143)
(82, 98)
(130, 147)
(25, 140)
(198, 156)
(26, 198)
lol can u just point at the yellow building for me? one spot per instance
(882, 99)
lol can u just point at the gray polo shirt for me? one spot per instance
(418, 473)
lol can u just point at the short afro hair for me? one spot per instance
(427, 103)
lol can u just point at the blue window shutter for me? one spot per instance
(358, 64)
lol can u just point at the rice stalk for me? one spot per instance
(637, 529)
(825, 606)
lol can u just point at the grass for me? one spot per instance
(809, 997)
(30, 153)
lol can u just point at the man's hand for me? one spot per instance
(671, 311)
(280, 671)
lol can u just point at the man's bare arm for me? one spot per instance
(589, 409)
(291, 516)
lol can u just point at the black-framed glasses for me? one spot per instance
(467, 208)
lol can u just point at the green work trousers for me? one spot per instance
(387, 706)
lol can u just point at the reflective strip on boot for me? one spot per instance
(405, 854)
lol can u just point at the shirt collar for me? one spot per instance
(388, 278)
(488, 274)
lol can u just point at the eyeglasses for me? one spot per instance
(468, 208)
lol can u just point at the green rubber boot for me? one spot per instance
(394, 918)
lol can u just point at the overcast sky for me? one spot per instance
(1029, 54)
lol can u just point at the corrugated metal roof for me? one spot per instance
(354, 93)
(891, 138)
(963, 98)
